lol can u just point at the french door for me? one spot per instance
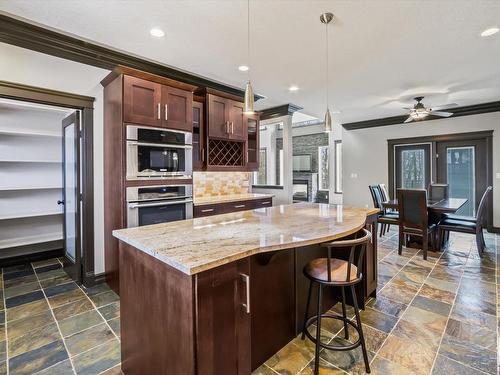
(462, 165)
(72, 196)
(412, 166)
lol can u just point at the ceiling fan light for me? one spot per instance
(249, 99)
(328, 121)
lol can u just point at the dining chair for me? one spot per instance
(438, 192)
(385, 192)
(386, 219)
(414, 218)
(468, 225)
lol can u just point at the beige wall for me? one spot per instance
(365, 153)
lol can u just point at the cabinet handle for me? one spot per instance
(159, 111)
(232, 127)
(227, 127)
(239, 206)
(166, 111)
(203, 155)
(246, 279)
(267, 202)
(207, 210)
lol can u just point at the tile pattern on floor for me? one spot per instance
(438, 316)
(51, 325)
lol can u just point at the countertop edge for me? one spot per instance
(202, 202)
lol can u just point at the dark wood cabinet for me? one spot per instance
(218, 117)
(253, 151)
(223, 316)
(237, 121)
(141, 101)
(227, 207)
(198, 136)
(177, 106)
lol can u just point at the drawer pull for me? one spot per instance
(267, 202)
(207, 210)
(240, 206)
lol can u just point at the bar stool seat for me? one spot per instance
(317, 269)
(333, 272)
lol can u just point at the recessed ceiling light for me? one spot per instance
(293, 88)
(243, 68)
(157, 32)
(490, 31)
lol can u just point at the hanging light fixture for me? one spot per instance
(248, 104)
(326, 18)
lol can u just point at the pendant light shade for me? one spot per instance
(325, 19)
(248, 104)
(328, 121)
(249, 98)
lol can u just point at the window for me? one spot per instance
(323, 168)
(413, 170)
(338, 167)
(262, 173)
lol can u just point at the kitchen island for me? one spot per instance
(220, 295)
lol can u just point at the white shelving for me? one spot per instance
(30, 175)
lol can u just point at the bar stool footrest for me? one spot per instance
(314, 318)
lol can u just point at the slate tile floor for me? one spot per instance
(438, 316)
(50, 325)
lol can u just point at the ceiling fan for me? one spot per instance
(419, 111)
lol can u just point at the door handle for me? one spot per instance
(166, 111)
(159, 111)
(60, 202)
(246, 279)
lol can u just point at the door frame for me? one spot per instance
(40, 95)
(486, 135)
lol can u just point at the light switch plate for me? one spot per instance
(498, 175)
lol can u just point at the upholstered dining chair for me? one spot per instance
(414, 218)
(467, 224)
(386, 219)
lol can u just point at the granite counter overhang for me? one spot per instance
(196, 245)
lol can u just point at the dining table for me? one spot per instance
(436, 209)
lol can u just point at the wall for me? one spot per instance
(365, 153)
(36, 69)
(212, 184)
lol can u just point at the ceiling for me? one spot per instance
(382, 53)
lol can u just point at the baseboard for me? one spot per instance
(33, 257)
(92, 279)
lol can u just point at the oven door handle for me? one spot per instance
(161, 145)
(169, 203)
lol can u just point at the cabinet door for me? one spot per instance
(253, 151)
(141, 101)
(238, 130)
(223, 320)
(198, 136)
(218, 113)
(177, 109)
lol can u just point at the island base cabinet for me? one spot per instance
(223, 320)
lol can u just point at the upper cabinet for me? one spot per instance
(238, 130)
(253, 150)
(141, 101)
(178, 108)
(198, 136)
(151, 103)
(225, 118)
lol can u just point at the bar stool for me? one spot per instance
(331, 272)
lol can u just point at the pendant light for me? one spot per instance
(248, 104)
(326, 18)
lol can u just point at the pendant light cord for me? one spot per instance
(248, 38)
(327, 66)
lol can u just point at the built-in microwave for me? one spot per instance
(158, 204)
(157, 153)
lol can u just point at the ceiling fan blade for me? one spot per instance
(445, 106)
(409, 119)
(441, 113)
(408, 108)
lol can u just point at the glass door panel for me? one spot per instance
(461, 176)
(412, 166)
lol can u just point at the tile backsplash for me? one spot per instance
(212, 184)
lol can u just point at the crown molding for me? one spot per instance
(278, 111)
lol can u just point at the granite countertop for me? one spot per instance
(229, 198)
(196, 245)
